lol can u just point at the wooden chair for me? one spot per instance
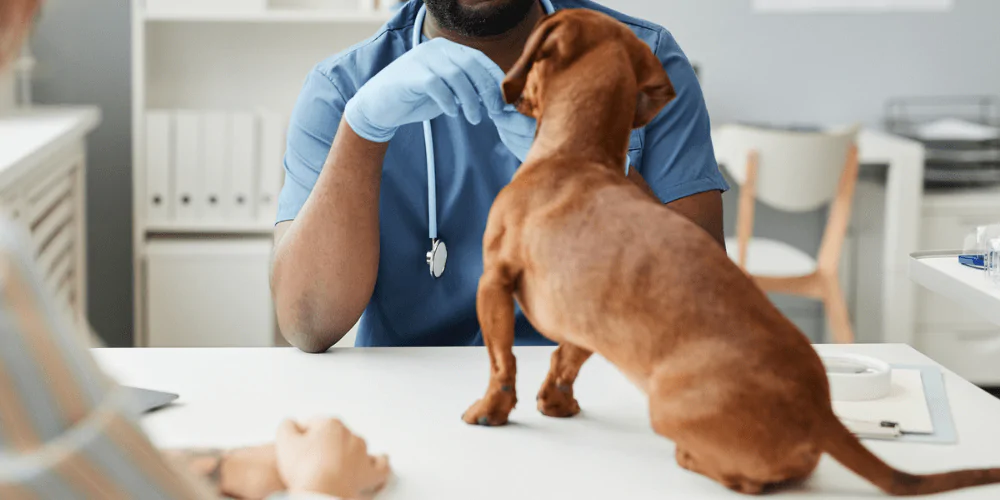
(794, 172)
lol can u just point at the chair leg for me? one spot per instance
(836, 312)
(811, 286)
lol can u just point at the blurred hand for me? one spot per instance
(250, 473)
(246, 473)
(15, 19)
(323, 456)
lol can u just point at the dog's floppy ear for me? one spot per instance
(535, 49)
(655, 88)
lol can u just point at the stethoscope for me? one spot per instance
(437, 258)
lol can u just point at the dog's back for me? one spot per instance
(587, 235)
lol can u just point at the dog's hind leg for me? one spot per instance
(737, 445)
(555, 399)
(495, 306)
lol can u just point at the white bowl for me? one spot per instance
(857, 378)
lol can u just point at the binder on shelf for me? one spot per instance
(215, 160)
(188, 166)
(159, 166)
(242, 167)
(271, 173)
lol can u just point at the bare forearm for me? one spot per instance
(704, 209)
(326, 260)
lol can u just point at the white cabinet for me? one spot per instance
(973, 353)
(42, 187)
(950, 333)
(209, 293)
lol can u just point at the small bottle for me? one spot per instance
(992, 260)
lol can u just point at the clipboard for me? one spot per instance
(939, 410)
(937, 403)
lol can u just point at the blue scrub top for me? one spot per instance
(409, 307)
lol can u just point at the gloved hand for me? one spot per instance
(437, 77)
(517, 131)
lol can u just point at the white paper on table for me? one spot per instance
(952, 129)
(906, 405)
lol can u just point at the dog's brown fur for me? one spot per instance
(599, 266)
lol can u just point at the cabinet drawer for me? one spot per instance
(935, 311)
(209, 293)
(61, 273)
(60, 246)
(974, 354)
(42, 193)
(53, 222)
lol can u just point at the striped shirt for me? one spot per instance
(65, 428)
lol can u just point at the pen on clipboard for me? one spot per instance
(883, 429)
(973, 261)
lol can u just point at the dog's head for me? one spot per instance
(564, 40)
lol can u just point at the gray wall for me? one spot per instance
(824, 68)
(781, 68)
(832, 68)
(836, 68)
(85, 58)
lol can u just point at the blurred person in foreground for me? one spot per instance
(15, 19)
(67, 431)
(65, 428)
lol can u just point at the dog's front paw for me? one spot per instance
(557, 401)
(492, 410)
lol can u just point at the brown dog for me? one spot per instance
(599, 266)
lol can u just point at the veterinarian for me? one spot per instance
(396, 150)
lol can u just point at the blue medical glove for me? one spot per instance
(517, 131)
(432, 79)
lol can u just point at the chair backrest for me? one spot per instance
(796, 171)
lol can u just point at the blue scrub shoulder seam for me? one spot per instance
(327, 66)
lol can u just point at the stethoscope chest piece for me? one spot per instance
(437, 258)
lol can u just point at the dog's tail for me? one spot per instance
(843, 446)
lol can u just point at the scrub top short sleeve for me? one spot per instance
(310, 135)
(677, 157)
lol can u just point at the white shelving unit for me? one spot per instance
(221, 57)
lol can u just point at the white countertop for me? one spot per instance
(408, 403)
(942, 273)
(26, 137)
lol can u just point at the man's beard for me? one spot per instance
(479, 22)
